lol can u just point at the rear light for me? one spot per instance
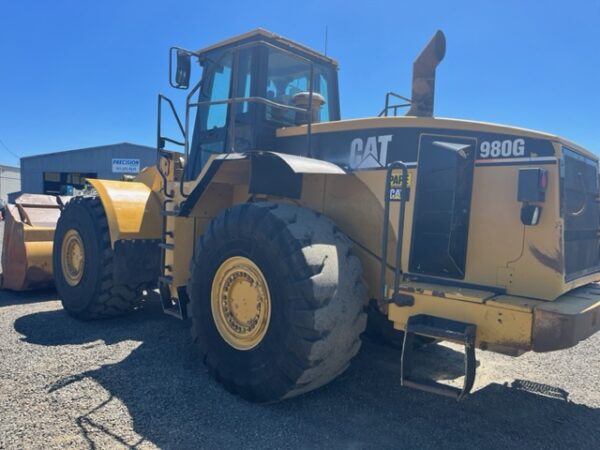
(543, 180)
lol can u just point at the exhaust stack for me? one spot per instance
(423, 82)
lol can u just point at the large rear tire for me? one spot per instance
(277, 300)
(83, 264)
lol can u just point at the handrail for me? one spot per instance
(253, 99)
(185, 128)
(186, 147)
(161, 98)
(385, 232)
(384, 111)
(250, 99)
(160, 140)
(173, 141)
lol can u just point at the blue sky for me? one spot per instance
(81, 73)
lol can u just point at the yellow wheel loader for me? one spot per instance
(277, 227)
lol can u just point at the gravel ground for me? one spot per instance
(136, 382)
(1, 237)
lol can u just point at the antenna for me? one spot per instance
(325, 40)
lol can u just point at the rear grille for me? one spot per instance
(579, 208)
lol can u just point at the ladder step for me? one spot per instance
(166, 246)
(173, 311)
(432, 387)
(165, 279)
(439, 328)
(173, 307)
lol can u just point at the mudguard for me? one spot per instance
(132, 209)
(269, 173)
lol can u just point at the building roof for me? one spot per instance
(261, 32)
(5, 167)
(98, 147)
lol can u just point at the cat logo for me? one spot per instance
(369, 153)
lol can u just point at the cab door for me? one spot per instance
(210, 132)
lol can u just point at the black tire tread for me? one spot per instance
(327, 320)
(109, 299)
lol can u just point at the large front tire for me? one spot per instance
(82, 261)
(289, 268)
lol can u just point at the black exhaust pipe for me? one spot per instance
(423, 82)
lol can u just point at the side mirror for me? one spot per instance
(183, 68)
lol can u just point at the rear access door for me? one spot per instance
(581, 213)
(442, 206)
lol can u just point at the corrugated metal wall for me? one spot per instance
(88, 160)
(10, 181)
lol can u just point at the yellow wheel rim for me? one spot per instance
(72, 257)
(241, 303)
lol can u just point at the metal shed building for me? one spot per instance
(56, 173)
(10, 181)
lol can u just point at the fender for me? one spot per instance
(132, 209)
(266, 172)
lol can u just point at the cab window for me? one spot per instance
(244, 80)
(216, 115)
(287, 79)
(210, 131)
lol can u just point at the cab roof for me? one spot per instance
(261, 33)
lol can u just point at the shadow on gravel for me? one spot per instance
(174, 404)
(10, 298)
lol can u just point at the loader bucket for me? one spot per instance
(27, 244)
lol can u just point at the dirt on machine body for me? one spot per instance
(281, 230)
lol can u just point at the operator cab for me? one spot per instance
(253, 84)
